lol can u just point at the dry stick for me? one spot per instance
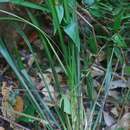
(25, 115)
(91, 118)
(122, 73)
(113, 73)
(115, 68)
(89, 70)
(69, 95)
(93, 19)
(123, 70)
(100, 67)
(86, 21)
(92, 31)
(13, 123)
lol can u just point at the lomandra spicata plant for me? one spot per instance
(82, 31)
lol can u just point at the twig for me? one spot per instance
(113, 73)
(115, 68)
(93, 19)
(86, 21)
(25, 115)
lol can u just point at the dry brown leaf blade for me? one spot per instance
(19, 105)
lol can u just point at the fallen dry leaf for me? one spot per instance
(57, 69)
(46, 94)
(114, 111)
(115, 94)
(48, 79)
(118, 84)
(96, 71)
(19, 105)
(125, 121)
(101, 57)
(109, 120)
(32, 37)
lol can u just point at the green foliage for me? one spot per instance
(77, 51)
(127, 69)
(117, 21)
(72, 32)
(118, 39)
(28, 4)
(66, 104)
(92, 44)
(60, 12)
(118, 54)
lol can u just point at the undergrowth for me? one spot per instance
(82, 32)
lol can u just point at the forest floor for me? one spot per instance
(116, 105)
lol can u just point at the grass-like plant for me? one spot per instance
(71, 114)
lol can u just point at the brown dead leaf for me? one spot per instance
(47, 97)
(19, 105)
(115, 112)
(48, 79)
(118, 84)
(96, 71)
(32, 37)
(46, 94)
(101, 57)
(125, 121)
(109, 120)
(115, 94)
(57, 69)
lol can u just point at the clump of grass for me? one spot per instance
(75, 50)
